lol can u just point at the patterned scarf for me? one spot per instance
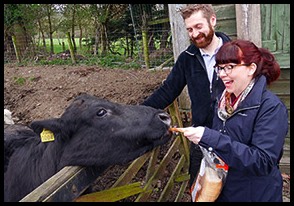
(229, 102)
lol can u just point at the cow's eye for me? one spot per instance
(101, 112)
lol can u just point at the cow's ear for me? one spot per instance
(53, 125)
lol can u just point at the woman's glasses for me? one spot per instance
(227, 68)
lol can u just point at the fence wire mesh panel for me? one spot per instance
(137, 35)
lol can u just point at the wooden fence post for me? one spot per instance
(180, 41)
(16, 49)
(71, 49)
(249, 22)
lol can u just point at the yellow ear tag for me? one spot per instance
(47, 135)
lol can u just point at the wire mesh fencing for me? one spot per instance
(120, 33)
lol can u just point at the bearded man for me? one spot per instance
(195, 68)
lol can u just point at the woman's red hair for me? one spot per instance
(238, 51)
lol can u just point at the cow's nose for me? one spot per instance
(165, 118)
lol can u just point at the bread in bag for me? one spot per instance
(211, 186)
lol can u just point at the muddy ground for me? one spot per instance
(45, 91)
(42, 92)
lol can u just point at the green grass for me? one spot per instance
(22, 80)
(116, 46)
(19, 80)
(111, 60)
(58, 44)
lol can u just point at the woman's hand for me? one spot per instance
(194, 134)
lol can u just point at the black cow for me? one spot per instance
(91, 132)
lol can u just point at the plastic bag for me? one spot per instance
(210, 179)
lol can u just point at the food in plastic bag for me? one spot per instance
(211, 178)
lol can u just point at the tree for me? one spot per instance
(40, 15)
(103, 15)
(18, 22)
(83, 20)
(49, 8)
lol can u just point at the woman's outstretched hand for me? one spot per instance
(194, 134)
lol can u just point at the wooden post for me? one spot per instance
(249, 22)
(180, 41)
(63, 46)
(145, 48)
(16, 49)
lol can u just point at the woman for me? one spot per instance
(249, 126)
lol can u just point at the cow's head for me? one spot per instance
(94, 131)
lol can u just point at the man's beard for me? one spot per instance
(207, 38)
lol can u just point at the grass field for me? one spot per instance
(58, 44)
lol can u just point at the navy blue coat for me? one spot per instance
(251, 143)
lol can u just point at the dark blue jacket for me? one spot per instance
(190, 70)
(251, 143)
